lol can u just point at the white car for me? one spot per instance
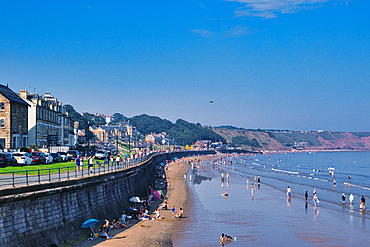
(64, 155)
(23, 158)
(101, 155)
(49, 159)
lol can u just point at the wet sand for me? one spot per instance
(268, 220)
(153, 232)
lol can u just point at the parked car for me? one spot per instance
(38, 158)
(56, 157)
(48, 158)
(63, 155)
(7, 159)
(23, 158)
(72, 154)
(101, 154)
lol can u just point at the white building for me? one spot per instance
(48, 122)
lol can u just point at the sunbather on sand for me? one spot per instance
(141, 217)
(103, 234)
(179, 213)
(119, 224)
(163, 206)
(157, 216)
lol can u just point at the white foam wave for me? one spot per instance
(362, 187)
(284, 171)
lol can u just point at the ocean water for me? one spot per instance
(270, 219)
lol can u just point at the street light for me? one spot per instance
(117, 141)
(87, 136)
(20, 133)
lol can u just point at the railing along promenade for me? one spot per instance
(40, 176)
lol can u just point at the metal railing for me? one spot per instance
(33, 177)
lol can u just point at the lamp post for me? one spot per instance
(117, 141)
(20, 134)
(87, 137)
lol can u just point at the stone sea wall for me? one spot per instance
(54, 214)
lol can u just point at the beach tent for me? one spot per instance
(162, 195)
(156, 194)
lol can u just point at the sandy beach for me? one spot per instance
(269, 219)
(153, 232)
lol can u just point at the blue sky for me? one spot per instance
(269, 64)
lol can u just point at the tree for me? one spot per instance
(76, 117)
(118, 118)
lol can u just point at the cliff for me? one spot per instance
(299, 140)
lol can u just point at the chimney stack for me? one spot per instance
(23, 94)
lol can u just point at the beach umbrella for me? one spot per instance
(90, 223)
(135, 199)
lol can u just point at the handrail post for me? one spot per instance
(38, 176)
(82, 170)
(49, 176)
(27, 177)
(68, 172)
(59, 173)
(76, 172)
(13, 180)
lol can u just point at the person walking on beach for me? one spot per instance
(289, 193)
(252, 191)
(362, 203)
(173, 210)
(349, 177)
(343, 198)
(315, 200)
(351, 197)
(306, 195)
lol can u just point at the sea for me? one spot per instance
(270, 218)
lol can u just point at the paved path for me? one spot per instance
(10, 180)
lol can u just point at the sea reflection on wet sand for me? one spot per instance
(270, 219)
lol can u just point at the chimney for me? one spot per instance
(23, 94)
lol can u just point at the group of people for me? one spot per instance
(177, 214)
(315, 199)
(225, 238)
(90, 162)
(115, 224)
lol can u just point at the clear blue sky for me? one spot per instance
(269, 64)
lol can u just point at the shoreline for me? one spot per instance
(270, 218)
(154, 232)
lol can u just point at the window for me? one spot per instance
(2, 143)
(2, 106)
(2, 122)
